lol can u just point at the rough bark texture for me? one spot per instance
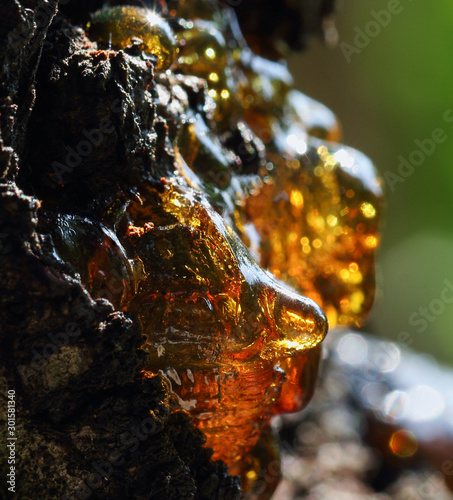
(88, 423)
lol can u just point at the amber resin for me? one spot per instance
(219, 327)
(318, 224)
(117, 27)
(262, 206)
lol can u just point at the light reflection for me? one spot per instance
(344, 158)
(403, 444)
(214, 77)
(356, 302)
(353, 349)
(395, 406)
(400, 388)
(353, 267)
(425, 403)
(296, 198)
(368, 210)
(332, 221)
(371, 241)
(386, 357)
(317, 243)
(373, 394)
(298, 144)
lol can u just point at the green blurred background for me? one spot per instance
(392, 93)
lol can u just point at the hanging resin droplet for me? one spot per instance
(221, 326)
(116, 26)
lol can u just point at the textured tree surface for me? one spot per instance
(88, 423)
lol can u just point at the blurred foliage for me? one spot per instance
(392, 93)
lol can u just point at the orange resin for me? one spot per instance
(220, 329)
(261, 199)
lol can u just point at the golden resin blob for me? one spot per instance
(262, 205)
(116, 27)
(219, 328)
